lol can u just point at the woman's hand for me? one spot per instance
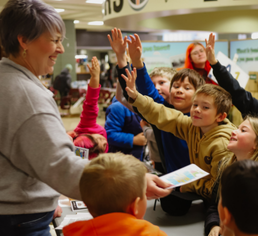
(135, 50)
(156, 188)
(130, 83)
(94, 72)
(210, 53)
(215, 231)
(118, 45)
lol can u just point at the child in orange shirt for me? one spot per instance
(113, 187)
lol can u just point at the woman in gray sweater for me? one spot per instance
(37, 161)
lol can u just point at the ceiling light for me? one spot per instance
(95, 1)
(59, 10)
(80, 56)
(254, 35)
(76, 21)
(96, 23)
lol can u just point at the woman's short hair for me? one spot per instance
(29, 19)
(111, 182)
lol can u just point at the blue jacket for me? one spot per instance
(121, 126)
(173, 151)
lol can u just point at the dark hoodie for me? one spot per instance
(63, 82)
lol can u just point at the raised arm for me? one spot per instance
(135, 51)
(118, 45)
(242, 99)
(90, 105)
(94, 72)
(144, 83)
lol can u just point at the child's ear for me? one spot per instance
(221, 117)
(133, 208)
(225, 217)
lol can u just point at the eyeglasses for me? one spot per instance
(195, 53)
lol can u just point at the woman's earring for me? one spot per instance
(24, 54)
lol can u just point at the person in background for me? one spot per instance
(63, 81)
(238, 205)
(117, 201)
(37, 159)
(124, 132)
(196, 59)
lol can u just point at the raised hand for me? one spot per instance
(135, 50)
(130, 83)
(118, 45)
(210, 53)
(94, 72)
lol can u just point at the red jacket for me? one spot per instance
(113, 224)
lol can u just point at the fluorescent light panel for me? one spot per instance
(59, 10)
(80, 56)
(95, 1)
(96, 23)
(76, 21)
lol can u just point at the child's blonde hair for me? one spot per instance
(167, 72)
(111, 182)
(227, 161)
(222, 98)
(194, 78)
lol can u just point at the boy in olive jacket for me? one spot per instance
(206, 131)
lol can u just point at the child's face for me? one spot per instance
(243, 140)
(162, 85)
(198, 55)
(101, 140)
(143, 203)
(181, 95)
(203, 112)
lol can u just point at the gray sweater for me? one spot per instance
(37, 161)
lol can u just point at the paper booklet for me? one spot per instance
(82, 152)
(184, 175)
(78, 205)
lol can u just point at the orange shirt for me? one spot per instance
(113, 224)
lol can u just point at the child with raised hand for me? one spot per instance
(238, 206)
(207, 132)
(242, 99)
(173, 150)
(88, 134)
(113, 187)
(243, 145)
